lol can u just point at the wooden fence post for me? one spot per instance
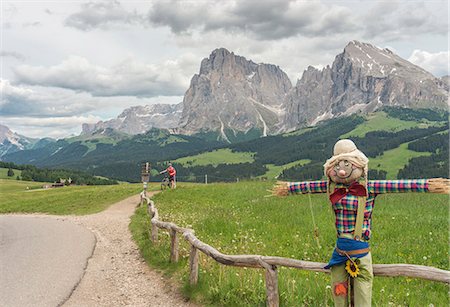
(273, 299)
(154, 233)
(173, 246)
(193, 266)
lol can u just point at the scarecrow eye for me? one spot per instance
(337, 166)
(346, 163)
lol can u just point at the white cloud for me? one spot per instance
(401, 20)
(54, 127)
(46, 111)
(12, 54)
(436, 63)
(43, 101)
(266, 20)
(127, 78)
(104, 15)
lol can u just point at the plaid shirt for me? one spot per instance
(346, 208)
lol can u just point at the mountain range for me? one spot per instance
(232, 97)
(11, 142)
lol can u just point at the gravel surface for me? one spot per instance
(116, 274)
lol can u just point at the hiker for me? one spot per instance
(347, 186)
(171, 171)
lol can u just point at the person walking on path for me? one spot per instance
(172, 172)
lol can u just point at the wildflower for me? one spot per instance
(352, 268)
(425, 258)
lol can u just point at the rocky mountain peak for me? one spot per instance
(11, 141)
(232, 94)
(139, 119)
(381, 62)
(362, 78)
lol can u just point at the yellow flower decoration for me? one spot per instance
(351, 266)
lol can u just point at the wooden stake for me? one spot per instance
(173, 246)
(272, 286)
(193, 266)
(154, 233)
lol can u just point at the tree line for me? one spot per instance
(32, 173)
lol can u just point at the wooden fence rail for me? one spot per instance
(269, 263)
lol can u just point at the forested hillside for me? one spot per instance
(32, 173)
(399, 142)
(424, 131)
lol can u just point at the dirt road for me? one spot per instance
(116, 274)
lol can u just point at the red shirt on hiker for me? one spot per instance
(171, 171)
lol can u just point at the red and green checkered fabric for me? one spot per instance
(345, 209)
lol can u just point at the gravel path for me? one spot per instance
(116, 274)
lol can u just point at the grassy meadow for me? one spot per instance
(217, 157)
(4, 173)
(394, 160)
(381, 121)
(275, 170)
(28, 197)
(238, 219)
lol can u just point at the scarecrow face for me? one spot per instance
(345, 172)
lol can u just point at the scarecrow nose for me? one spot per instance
(342, 173)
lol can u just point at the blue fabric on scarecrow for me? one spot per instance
(347, 245)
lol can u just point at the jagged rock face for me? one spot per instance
(362, 79)
(309, 98)
(11, 142)
(139, 119)
(231, 92)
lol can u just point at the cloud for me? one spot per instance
(55, 127)
(42, 102)
(32, 24)
(436, 63)
(29, 109)
(127, 78)
(267, 20)
(12, 54)
(103, 15)
(393, 20)
(39, 101)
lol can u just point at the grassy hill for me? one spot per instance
(381, 121)
(239, 219)
(27, 197)
(4, 173)
(395, 159)
(216, 157)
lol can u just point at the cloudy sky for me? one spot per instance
(64, 63)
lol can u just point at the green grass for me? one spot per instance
(381, 121)
(238, 219)
(275, 170)
(395, 159)
(4, 173)
(28, 197)
(217, 157)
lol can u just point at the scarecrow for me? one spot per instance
(347, 186)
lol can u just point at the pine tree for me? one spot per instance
(10, 172)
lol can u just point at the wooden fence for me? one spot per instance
(268, 263)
